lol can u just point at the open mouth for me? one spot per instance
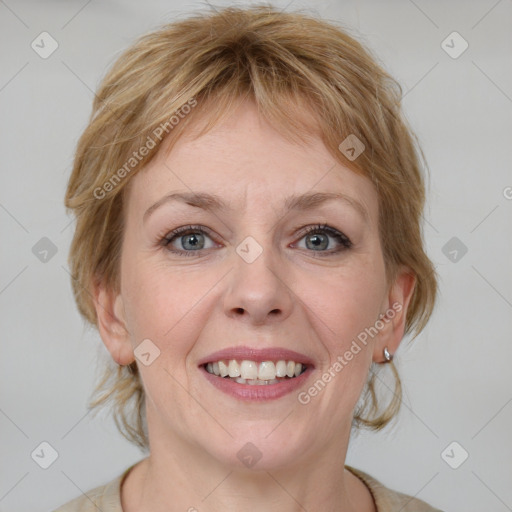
(255, 373)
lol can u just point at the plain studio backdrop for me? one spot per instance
(451, 446)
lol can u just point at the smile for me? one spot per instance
(257, 374)
(254, 373)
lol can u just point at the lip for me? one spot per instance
(250, 392)
(257, 355)
(256, 392)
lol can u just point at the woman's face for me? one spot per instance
(248, 280)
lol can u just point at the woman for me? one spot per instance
(248, 243)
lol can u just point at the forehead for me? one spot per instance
(244, 159)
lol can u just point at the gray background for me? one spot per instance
(456, 374)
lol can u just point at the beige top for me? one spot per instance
(107, 498)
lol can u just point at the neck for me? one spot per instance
(271, 491)
(179, 476)
(159, 483)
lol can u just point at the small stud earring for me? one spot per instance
(387, 356)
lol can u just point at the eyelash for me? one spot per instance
(334, 233)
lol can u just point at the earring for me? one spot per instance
(387, 356)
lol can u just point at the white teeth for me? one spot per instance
(248, 370)
(253, 373)
(281, 369)
(257, 382)
(267, 370)
(234, 368)
(223, 369)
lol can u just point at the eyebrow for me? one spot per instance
(211, 202)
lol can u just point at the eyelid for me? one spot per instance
(169, 235)
(340, 236)
(343, 240)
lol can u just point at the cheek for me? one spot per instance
(349, 300)
(163, 304)
(345, 306)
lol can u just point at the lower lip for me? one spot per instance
(257, 392)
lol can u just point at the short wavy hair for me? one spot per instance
(288, 63)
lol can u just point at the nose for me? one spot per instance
(258, 290)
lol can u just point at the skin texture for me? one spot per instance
(296, 296)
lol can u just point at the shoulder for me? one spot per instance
(388, 500)
(106, 498)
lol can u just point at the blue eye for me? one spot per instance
(191, 240)
(318, 239)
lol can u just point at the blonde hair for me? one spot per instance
(287, 63)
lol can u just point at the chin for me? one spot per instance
(261, 447)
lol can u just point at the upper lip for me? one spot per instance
(257, 355)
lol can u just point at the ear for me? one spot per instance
(394, 313)
(112, 324)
